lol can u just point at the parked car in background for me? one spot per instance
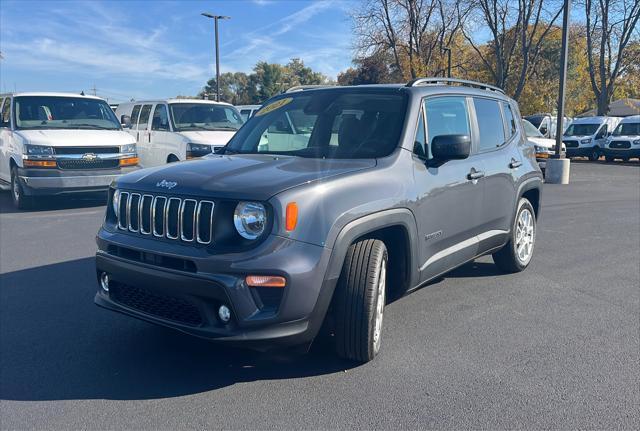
(547, 124)
(544, 147)
(587, 136)
(624, 142)
(113, 106)
(172, 130)
(247, 111)
(60, 143)
(385, 188)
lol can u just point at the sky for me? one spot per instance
(157, 49)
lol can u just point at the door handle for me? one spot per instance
(515, 164)
(475, 175)
(149, 136)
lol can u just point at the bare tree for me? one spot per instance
(517, 28)
(610, 26)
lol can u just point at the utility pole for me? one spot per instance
(215, 19)
(557, 167)
(448, 51)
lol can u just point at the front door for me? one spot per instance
(144, 137)
(161, 135)
(449, 196)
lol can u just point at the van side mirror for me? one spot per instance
(450, 147)
(125, 120)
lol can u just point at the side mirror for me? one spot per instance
(125, 120)
(450, 147)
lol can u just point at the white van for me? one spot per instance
(587, 136)
(247, 111)
(624, 142)
(547, 124)
(178, 129)
(55, 143)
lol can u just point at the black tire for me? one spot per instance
(609, 159)
(507, 258)
(595, 154)
(357, 299)
(172, 159)
(20, 200)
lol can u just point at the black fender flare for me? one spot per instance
(530, 183)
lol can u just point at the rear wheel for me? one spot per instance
(595, 154)
(360, 300)
(20, 201)
(516, 254)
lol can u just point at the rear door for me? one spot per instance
(448, 197)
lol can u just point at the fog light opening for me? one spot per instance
(104, 281)
(224, 314)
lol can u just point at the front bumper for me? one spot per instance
(622, 152)
(187, 297)
(59, 181)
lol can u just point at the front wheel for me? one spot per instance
(595, 154)
(516, 254)
(360, 300)
(20, 201)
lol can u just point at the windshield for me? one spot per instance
(325, 124)
(581, 129)
(627, 129)
(204, 116)
(530, 130)
(55, 112)
(535, 120)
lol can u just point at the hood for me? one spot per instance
(247, 177)
(542, 142)
(211, 137)
(75, 137)
(624, 137)
(576, 137)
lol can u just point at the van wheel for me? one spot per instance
(360, 300)
(595, 154)
(20, 201)
(516, 254)
(172, 159)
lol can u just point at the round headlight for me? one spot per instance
(250, 219)
(116, 201)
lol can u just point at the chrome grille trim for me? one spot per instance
(197, 225)
(161, 212)
(153, 216)
(137, 210)
(141, 215)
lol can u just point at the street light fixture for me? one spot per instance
(215, 20)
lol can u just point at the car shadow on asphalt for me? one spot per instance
(52, 203)
(57, 345)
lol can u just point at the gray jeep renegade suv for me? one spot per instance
(325, 204)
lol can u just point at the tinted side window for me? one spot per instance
(135, 114)
(446, 116)
(420, 147)
(144, 117)
(510, 119)
(160, 118)
(602, 132)
(5, 121)
(489, 123)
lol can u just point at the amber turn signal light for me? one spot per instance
(129, 161)
(265, 281)
(39, 163)
(291, 216)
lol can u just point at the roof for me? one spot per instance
(619, 108)
(631, 119)
(50, 94)
(203, 101)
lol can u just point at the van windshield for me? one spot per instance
(57, 112)
(536, 120)
(325, 124)
(530, 130)
(204, 116)
(581, 129)
(627, 129)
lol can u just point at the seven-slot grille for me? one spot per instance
(166, 217)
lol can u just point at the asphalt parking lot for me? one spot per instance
(554, 347)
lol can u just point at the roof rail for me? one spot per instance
(308, 87)
(452, 81)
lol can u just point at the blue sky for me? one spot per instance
(162, 48)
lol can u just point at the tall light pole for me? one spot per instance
(215, 20)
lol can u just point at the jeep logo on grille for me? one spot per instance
(166, 184)
(89, 157)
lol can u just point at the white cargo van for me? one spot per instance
(624, 142)
(587, 136)
(178, 129)
(55, 143)
(547, 124)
